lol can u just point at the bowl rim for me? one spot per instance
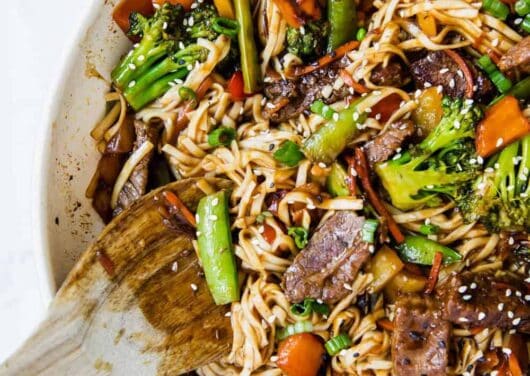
(41, 217)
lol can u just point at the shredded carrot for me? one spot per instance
(289, 12)
(435, 271)
(465, 70)
(326, 59)
(386, 324)
(361, 167)
(348, 80)
(476, 330)
(502, 124)
(278, 105)
(513, 363)
(177, 204)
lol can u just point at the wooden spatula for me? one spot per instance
(134, 304)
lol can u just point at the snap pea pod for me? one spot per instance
(215, 248)
(420, 250)
(247, 47)
(336, 181)
(342, 18)
(330, 140)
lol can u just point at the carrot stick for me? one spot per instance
(348, 80)
(326, 59)
(513, 363)
(300, 354)
(386, 324)
(465, 69)
(435, 271)
(361, 166)
(177, 204)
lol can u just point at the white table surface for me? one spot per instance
(38, 34)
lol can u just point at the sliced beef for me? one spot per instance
(330, 262)
(136, 186)
(304, 90)
(393, 74)
(421, 338)
(385, 144)
(484, 300)
(437, 68)
(517, 57)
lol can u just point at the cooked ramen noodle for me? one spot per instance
(379, 155)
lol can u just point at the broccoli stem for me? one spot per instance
(522, 185)
(247, 47)
(133, 66)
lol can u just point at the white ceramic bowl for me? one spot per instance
(65, 222)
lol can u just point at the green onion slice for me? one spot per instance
(368, 230)
(429, 229)
(188, 94)
(222, 136)
(338, 343)
(225, 26)
(297, 327)
(322, 109)
(522, 7)
(309, 306)
(289, 154)
(300, 236)
(525, 25)
(361, 33)
(496, 8)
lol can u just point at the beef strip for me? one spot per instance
(135, 187)
(304, 90)
(385, 144)
(330, 261)
(437, 68)
(421, 338)
(484, 300)
(394, 74)
(517, 57)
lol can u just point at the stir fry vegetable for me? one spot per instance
(296, 328)
(404, 282)
(342, 18)
(338, 343)
(496, 8)
(247, 47)
(502, 83)
(384, 266)
(289, 154)
(368, 230)
(122, 11)
(215, 248)
(300, 236)
(492, 132)
(222, 136)
(301, 355)
(336, 183)
(330, 140)
(309, 306)
(420, 250)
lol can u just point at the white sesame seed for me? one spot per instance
(510, 314)
(322, 165)
(527, 298)
(518, 294)
(132, 66)
(495, 42)
(355, 116)
(164, 26)
(174, 267)
(190, 67)
(427, 84)
(439, 89)
(215, 201)
(228, 314)
(500, 141)
(347, 286)
(480, 160)
(467, 297)
(500, 306)
(516, 321)
(473, 286)
(336, 116)
(132, 83)
(213, 217)
(463, 319)
(506, 350)
(481, 316)
(462, 289)
(460, 73)
(452, 83)
(274, 358)
(517, 21)
(444, 70)
(508, 292)
(194, 287)
(378, 117)
(368, 110)
(371, 249)
(198, 233)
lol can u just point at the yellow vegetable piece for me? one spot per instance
(225, 8)
(384, 266)
(429, 111)
(427, 23)
(404, 282)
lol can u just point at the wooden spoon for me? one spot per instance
(135, 303)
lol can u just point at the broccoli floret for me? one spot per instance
(441, 165)
(308, 41)
(167, 51)
(500, 197)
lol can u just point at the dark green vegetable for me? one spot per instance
(420, 250)
(297, 327)
(215, 248)
(331, 139)
(502, 83)
(222, 136)
(322, 109)
(309, 306)
(338, 343)
(308, 41)
(496, 8)
(521, 90)
(225, 26)
(500, 198)
(522, 7)
(247, 47)
(368, 230)
(429, 229)
(300, 236)
(342, 18)
(289, 154)
(443, 164)
(361, 33)
(336, 181)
